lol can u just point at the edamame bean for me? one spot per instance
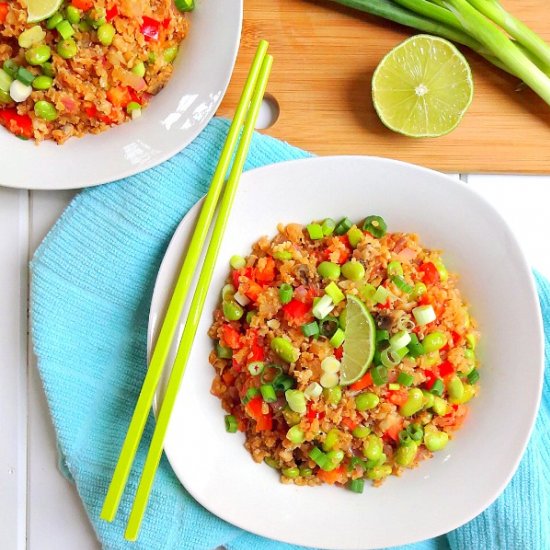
(296, 400)
(285, 350)
(42, 83)
(455, 388)
(434, 342)
(232, 311)
(419, 290)
(329, 270)
(139, 70)
(333, 395)
(355, 236)
(354, 271)
(414, 403)
(379, 472)
(361, 432)
(237, 262)
(428, 399)
(333, 459)
(47, 69)
(366, 401)
(436, 440)
(30, 37)
(73, 15)
(469, 392)
(440, 406)
(291, 472)
(106, 33)
(53, 21)
(295, 434)
(45, 110)
(373, 447)
(333, 436)
(38, 54)
(67, 48)
(405, 454)
(170, 54)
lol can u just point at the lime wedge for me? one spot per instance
(38, 10)
(360, 342)
(423, 87)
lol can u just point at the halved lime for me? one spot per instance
(360, 342)
(38, 10)
(423, 87)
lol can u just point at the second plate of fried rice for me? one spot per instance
(412, 418)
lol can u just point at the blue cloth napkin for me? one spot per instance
(91, 288)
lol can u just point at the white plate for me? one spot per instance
(171, 121)
(442, 493)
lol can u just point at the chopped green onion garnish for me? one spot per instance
(228, 291)
(424, 315)
(438, 387)
(334, 292)
(405, 379)
(223, 352)
(270, 373)
(471, 339)
(315, 231)
(401, 284)
(310, 329)
(295, 435)
(399, 340)
(230, 423)
(337, 338)
(356, 485)
(285, 293)
(343, 226)
(24, 76)
(354, 462)
(256, 368)
(323, 307)
(237, 262)
(328, 227)
(296, 400)
(328, 326)
(283, 382)
(268, 393)
(283, 255)
(251, 393)
(389, 360)
(394, 387)
(382, 335)
(473, 376)
(404, 437)
(313, 391)
(415, 431)
(416, 349)
(381, 295)
(376, 226)
(379, 375)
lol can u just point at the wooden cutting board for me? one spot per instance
(325, 56)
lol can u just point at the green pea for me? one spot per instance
(45, 110)
(170, 54)
(53, 21)
(361, 432)
(434, 342)
(373, 447)
(139, 70)
(379, 472)
(436, 440)
(366, 401)
(48, 70)
(428, 399)
(329, 270)
(440, 406)
(73, 15)
(232, 311)
(291, 472)
(333, 395)
(333, 436)
(414, 403)
(285, 350)
(42, 83)
(406, 454)
(355, 236)
(354, 271)
(455, 388)
(38, 54)
(306, 472)
(418, 290)
(106, 33)
(67, 48)
(5, 97)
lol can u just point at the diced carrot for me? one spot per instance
(119, 96)
(362, 383)
(3, 11)
(267, 273)
(349, 423)
(331, 477)
(228, 377)
(251, 289)
(398, 397)
(83, 5)
(231, 337)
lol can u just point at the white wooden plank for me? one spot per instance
(523, 201)
(56, 518)
(13, 372)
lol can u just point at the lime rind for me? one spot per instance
(401, 108)
(359, 344)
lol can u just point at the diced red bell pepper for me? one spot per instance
(398, 397)
(430, 275)
(264, 422)
(83, 5)
(312, 414)
(267, 273)
(362, 383)
(446, 369)
(257, 353)
(385, 305)
(331, 477)
(119, 96)
(231, 337)
(339, 352)
(349, 423)
(296, 310)
(19, 125)
(456, 337)
(150, 28)
(111, 13)
(166, 22)
(3, 11)
(431, 377)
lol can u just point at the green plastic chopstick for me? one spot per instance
(197, 304)
(181, 289)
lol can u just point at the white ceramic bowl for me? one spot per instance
(442, 493)
(171, 121)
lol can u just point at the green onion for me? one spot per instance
(354, 462)
(282, 255)
(317, 456)
(315, 231)
(256, 368)
(310, 329)
(337, 338)
(415, 431)
(223, 352)
(65, 29)
(11, 67)
(268, 393)
(388, 359)
(285, 293)
(24, 76)
(313, 391)
(334, 292)
(237, 262)
(285, 350)
(405, 379)
(379, 375)
(343, 226)
(401, 284)
(283, 382)
(230, 423)
(328, 326)
(394, 386)
(5, 81)
(438, 387)
(323, 307)
(296, 400)
(53, 21)
(328, 226)
(250, 394)
(473, 376)
(471, 339)
(376, 226)
(228, 291)
(395, 269)
(381, 295)
(265, 376)
(424, 315)
(418, 290)
(416, 349)
(356, 485)
(400, 340)
(404, 437)
(382, 335)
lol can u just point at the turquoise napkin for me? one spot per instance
(92, 283)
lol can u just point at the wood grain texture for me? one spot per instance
(325, 56)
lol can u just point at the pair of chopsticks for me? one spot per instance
(247, 113)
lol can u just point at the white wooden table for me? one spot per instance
(39, 509)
